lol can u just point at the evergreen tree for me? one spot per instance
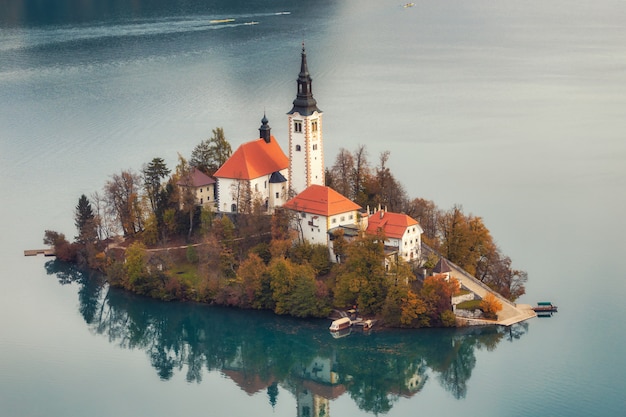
(210, 154)
(84, 219)
(153, 173)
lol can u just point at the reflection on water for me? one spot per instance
(259, 351)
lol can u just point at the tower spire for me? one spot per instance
(306, 146)
(265, 132)
(304, 103)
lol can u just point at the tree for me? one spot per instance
(153, 173)
(63, 250)
(342, 173)
(136, 276)
(102, 220)
(454, 230)
(437, 293)
(251, 273)
(427, 214)
(361, 279)
(360, 175)
(122, 197)
(85, 222)
(490, 306)
(384, 189)
(241, 194)
(210, 154)
(340, 245)
(295, 291)
(404, 308)
(187, 197)
(507, 281)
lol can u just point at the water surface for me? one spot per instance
(514, 110)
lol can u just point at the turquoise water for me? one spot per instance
(514, 110)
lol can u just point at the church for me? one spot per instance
(260, 171)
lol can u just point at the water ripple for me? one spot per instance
(12, 39)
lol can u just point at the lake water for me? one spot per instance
(516, 110)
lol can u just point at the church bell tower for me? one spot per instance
(306, 150)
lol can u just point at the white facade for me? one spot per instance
(403, 234)
(306, 150)
(315, 227)
(409, 246)
(231, 193)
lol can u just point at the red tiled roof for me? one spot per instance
(321, 200)
(393, 224)
(253, 160)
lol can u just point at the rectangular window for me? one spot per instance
(277, 195)
(315, 146)
(266, 184)
(334, 220)
(303, 215)
(343, 218)
(297, 126)
(256, 187)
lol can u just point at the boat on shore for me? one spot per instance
(340, 324)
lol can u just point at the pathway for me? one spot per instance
(511, 313)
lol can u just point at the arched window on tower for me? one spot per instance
(298, 148)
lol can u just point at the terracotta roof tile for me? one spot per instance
(253, 160)
(321, 200)
(393, 224)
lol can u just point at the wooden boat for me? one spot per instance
(545, 307)
(340, 324)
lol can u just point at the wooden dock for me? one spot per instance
(35, 252)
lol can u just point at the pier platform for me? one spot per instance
(35, 252)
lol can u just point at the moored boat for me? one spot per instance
(545, 307)
(340, 324)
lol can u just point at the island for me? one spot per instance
(260, 228)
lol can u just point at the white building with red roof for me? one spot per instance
(319, 209)
(256, 171)
(403, 234)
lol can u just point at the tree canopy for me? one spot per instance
(210, 154)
